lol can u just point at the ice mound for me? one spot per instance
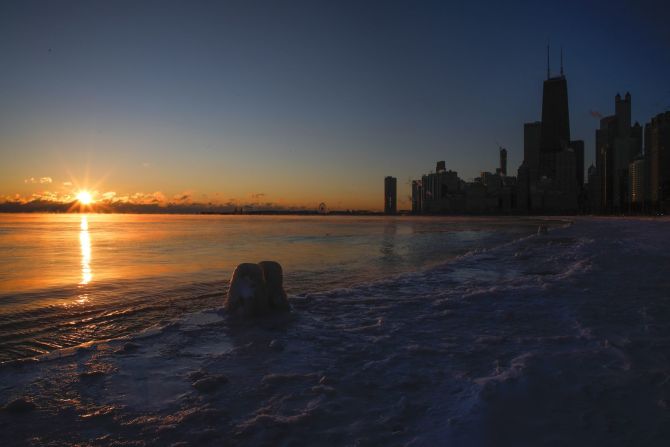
(257, 289)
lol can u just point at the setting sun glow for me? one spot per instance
(84, 197)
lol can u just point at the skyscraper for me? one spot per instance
(617, 145)
(637, 183)
(659, 160)
(531, 148)
(417, 197)
(605, 160)
(578, 147)
(503, 161)
(550, 176)
(390, 195)
(555, 131)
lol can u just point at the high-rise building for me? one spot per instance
(531, 144)
(503, 161)
(549, 178)
(617, 145)
(594, 184)
(555, 135)
(531, 152)
(417, 197)
(523, 203)
(605, 160)
(658, 132)
(439, 192)
(578, 147)
(555, 130)
(390, 195)
(637, 183)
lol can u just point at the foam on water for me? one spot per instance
(541, 341)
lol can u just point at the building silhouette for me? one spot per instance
(441, 191)
(551, 177)
(417, 197)
(657, 147)
(555, 127)
(618, 144)
(390, 195)
(637, 184)
(531, 148)
(503, 161)
(550, 180)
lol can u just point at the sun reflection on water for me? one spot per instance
(85, 243)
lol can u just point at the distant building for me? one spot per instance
(658, 147)
(442, 191)
(555, 133)
(578, 147)
(593, 190)
(637, 184)
(390, 195)
(503, 161)
(417, 197)
(617, 145)
(551, 177)
(531, 148)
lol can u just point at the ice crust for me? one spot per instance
(554, 339)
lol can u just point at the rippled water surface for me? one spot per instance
(414, 332)
(70, 279)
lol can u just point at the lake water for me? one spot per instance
(67, 279)
(404, 331)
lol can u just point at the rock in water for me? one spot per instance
(274, 282)
(257, 289)
(247, 294)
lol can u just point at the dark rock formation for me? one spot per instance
(274, 282)
(257, 289)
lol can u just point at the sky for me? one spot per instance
(293, 103)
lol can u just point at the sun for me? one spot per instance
(84, 197)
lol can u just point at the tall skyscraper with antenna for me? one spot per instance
(555, 133)
(551, 177)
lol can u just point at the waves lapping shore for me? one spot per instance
(558, 339)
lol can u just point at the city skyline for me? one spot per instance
(183, 108)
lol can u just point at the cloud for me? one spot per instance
(141, 198)
(184, 197)
(146, 164)
(258, 195)
(62, 200)
(67, 184)
(595, 114)
(41, 180)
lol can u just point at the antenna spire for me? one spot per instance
(561, 61)
(548, 72)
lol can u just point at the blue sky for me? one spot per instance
(302, 102)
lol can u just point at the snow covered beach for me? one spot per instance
(557, 339)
